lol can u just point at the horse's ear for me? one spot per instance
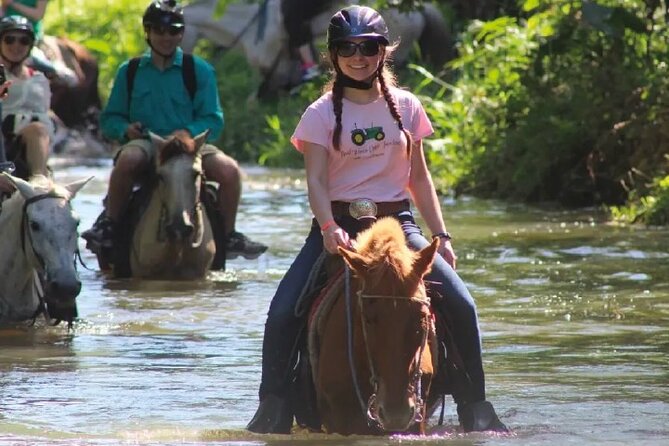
(354, 260)
(25, 188)
(76, 186)
(156, 140)
(424, 258)
(201, 139)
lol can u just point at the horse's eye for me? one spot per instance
(34, 226)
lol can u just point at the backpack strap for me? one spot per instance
(130, 79)
(188, 73)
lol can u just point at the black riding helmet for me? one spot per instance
(16, 23)
(357, 21)
(163, 13)
(20, 24)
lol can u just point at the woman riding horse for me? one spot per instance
(26, 125)
(363, 151)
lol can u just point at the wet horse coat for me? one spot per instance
(37, 250)
(173, 238)
(377, 350)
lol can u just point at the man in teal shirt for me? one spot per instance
(160, 102)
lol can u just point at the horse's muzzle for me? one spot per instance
(180, 229)
(61, 299)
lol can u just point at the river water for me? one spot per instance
(574, 314)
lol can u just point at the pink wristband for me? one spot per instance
(328, 225)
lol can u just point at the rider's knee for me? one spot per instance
(34, 131)
(130, 161)
(221, 168)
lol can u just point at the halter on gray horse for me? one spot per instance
(37, 251)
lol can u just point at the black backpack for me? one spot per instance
(188, 73)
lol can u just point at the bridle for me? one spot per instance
(415, 387)
(26, 238)
(195, 214)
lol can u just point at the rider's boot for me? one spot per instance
(479, 416)
(240, 245)
(274, 416)
(101, 235)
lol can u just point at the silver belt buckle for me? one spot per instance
(362, 208)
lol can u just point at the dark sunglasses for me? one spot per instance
(171, 30)
(23, 40)
(366, 47)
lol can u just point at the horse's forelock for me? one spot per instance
(45, 185)
(385, 244)
(176, 145)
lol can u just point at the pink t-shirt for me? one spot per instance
(372, 159)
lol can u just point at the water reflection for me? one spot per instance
(573, 312)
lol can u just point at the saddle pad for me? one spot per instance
(320, 309)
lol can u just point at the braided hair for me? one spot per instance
(386, 79)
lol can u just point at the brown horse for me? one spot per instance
(73, 103)
(77, 106)
(377, 352)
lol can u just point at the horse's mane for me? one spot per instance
(179, 143)
(385, 244)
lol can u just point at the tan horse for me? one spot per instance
(256, 28)
(38, 244)
(173, 238)
(383, 386)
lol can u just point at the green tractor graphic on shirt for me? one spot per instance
(359, 136)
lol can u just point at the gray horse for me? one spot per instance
(257, 30)
(37, 251)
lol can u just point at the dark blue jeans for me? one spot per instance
(282, 329)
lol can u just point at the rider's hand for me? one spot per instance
(135, 131)
(6, 185)
(335, 236)
(447, 252)
(4, 89)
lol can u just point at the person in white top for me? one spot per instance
(363, 152)
(26, 125)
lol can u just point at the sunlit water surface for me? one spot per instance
(573, 312)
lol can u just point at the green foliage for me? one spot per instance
(257, 131)
(110, 28)
(652, 209)
(564, 104)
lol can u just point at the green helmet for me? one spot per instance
(164, 13)
(16, 23)
(357, 21)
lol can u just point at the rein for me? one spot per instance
(25, 229)
(370, 409)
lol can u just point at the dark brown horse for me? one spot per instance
(377, 350)
(77, 106)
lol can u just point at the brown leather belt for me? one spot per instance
(367, 208)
